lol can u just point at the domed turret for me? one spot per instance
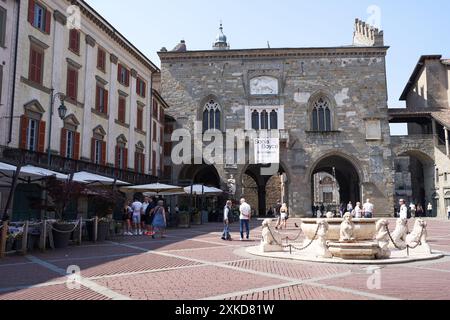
(221, 41)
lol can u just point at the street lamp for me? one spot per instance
(62, 111)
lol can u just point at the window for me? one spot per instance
(155, 133)
(39, 16)
(32, 135)
(74, 40)
(139, 161)
(154, 162)
(70, 144)
(211, 116)
(123, 75)
(161, 114)
(321, 116)
(2, 26)
(264, 119)
(140, 118)
(72, 84)
(155, 110)
(122, 110)
(161, 136)
(98, 151)
(36, 64)
(101, 100)
(141, 87)
(101, 59)
(121, 157)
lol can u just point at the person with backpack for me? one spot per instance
(226, 221)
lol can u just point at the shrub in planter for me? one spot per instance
(184, 220)
(62, 234)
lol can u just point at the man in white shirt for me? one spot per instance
(137, 211)
(403, 210)
(246, 215)
(350, 207)
(226, 222)
(368, 209)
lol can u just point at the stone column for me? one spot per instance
(133, 119)
(447, 146)
(89, 97)
(112, 107)
(58, 79)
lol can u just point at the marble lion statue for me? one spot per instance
(270, 237)
(321, 242)
(418, 235)
(383, 239)
(347, 229)
(400, 233)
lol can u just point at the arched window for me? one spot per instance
(255, 120)
(274, 120)
(211, 116)
(264, 120)
(321, 118)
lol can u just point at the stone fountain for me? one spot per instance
(348, 240)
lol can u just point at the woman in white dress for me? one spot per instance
(284, 213)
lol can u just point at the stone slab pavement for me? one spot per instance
(196, 264)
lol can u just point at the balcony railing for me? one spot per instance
(65, 165)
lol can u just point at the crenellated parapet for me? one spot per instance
(367, 35)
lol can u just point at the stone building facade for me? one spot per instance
(67, 53)
(329, 106)
(422, 158)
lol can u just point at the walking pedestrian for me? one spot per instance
(277, 209)
(413, 209)
(430, 210)
(226, 222)
(284, 216)
(350, 207)
(126, 218)
(403, 210)
(420, 212)
(245, 216)
(149, 215)
(159, 220)
(368, 209)
(144, 209)
(137, 211)
(358, 211)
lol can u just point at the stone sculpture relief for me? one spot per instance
(264, 86)
(399, 234)
(383, 239)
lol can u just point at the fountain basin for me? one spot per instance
(365, 229)
(354, 250)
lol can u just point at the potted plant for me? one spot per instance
(61, 193)
(104, 202)
(184, 218)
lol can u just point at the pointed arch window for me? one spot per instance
(274, 120)
(264, 120)
(255, 120)
(321, 117)
(212, 113)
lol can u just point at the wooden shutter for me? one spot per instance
(48, 21)
(144, 85)
(31, 11)
(127, 78)
(32, 65)
(72, 83)
(93, 150)
(63, 147)
(122, 112)
(76, 147)
(136, 162)
(139, 118)
(117, 157)
(41, 140)
(97, 98)
(103, 155)
(125, 158)
(105, 101)
(119, 73)
(138, 81)
(24, 122)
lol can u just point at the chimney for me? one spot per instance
(366, 35)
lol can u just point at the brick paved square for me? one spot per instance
(56, 292)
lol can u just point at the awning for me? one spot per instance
(199, 189)
(7, 168)
(156, 188)
(91, 178)
(32, 172)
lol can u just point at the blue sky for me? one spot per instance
(412, 27)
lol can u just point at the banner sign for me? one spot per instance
(267, 150)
